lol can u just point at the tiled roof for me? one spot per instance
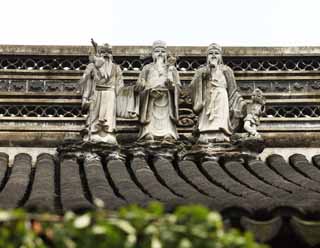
(252, 195)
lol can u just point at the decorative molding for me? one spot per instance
(184, 63)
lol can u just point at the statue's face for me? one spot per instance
(257, 93)
(106, 55)
(214, 58)
(159, 53)
(98, 61)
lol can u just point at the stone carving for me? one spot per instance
(4, 85)
(54, 85)
(298, 86)
(17, 86)
(36, 86)
(254, 111)
(216, 99)
(158, 89)
(101, 82)
(281, 87)
(315, 85)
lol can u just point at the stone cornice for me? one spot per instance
(145, 50)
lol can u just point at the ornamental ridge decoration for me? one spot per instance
(187, 116)
(78, 63)
(245, 86)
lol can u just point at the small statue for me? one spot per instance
(158, 90)
(101, 82)
(254, 111)
(216, 99)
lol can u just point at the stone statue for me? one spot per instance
(216, 99)
(254, 110)
(158, 90)
(101, 82)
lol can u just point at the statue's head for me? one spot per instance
(98, 61)
(257, 96)
(159, 51)
(105, 51)
(214, 55)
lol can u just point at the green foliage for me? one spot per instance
(130, 227)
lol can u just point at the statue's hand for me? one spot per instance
(101, 81)
(169, 84)
(156, 93)
(139, 87)
(198, 107)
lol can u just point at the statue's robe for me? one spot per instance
(158, 115)
(100, 87)
(217, 101)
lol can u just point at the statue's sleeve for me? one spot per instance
(236, 102)
(232, 84)
(142, 94)
(176, 78)
(141, 82)
(196, 92)
(126, 99)
(86, 82)
(126, 102)
(119, 80)
(177, 88)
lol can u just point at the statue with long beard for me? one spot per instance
(216, 99)
(101, 83)
(158, 88)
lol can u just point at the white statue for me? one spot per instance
(158, 90)
(101, 82)
(216, 98)
(254, 111)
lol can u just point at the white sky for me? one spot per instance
(178, 22)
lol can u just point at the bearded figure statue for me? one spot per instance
(100, 83)
(158, 90)
(216, 99)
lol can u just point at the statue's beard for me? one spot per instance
(107, 59)
(160, 64)
(160, 60)
(213, 62)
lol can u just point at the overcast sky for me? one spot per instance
(178, 22)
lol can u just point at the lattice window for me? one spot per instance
(43, 63)
(293, 111)
(183, 63)
(40, 111)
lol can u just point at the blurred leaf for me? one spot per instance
(130, 227)
(155, 242)
(82, 221)
(185, 243)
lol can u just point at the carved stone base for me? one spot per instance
(242, 148)
(81, 149)
(249, 144)
(213, 137)
(146, 150)
(155, 149)
(109, 138)
(211, 151)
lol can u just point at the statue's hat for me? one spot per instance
(214, 46)
(105, 48)
(159, 43)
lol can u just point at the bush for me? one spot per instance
(133, 226)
